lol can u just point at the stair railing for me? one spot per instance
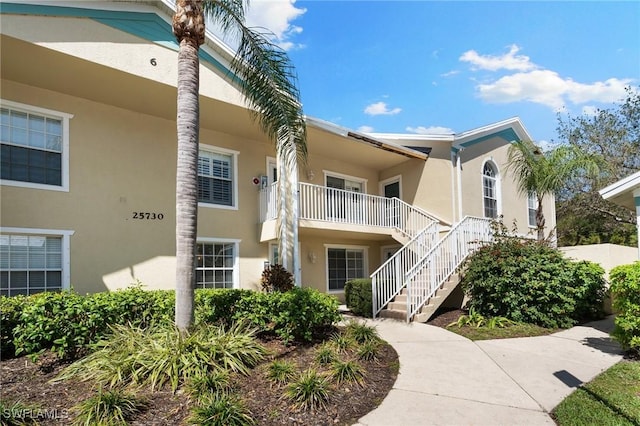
(388, 280)
(430, 272)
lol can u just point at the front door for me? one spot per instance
(341, 205)
(392, 190)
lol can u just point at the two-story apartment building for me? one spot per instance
(88, 140)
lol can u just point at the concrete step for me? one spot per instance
(398, 306)
(393, 314)
(402, 298)
(427, 311)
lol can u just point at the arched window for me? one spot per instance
(490, 190)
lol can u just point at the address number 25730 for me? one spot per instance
(148, 216)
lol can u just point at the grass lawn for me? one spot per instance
(612, 398)
(515, 330)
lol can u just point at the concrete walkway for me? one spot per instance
(446, 379)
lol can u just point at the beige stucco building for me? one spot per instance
(89, 158)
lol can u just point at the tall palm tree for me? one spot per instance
(266, 78)
(541, 174)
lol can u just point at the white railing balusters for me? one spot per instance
(388, 280)
(428, 274)
(338, 205)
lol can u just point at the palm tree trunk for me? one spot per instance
(540, 220)
(186, 182)
(188, 26)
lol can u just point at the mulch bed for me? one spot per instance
(445, 316)
(28, 382)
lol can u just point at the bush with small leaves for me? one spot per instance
(10, 311)
(625, 288)
(358, 296)
(108, 408)
(527, 281)
(280, 372)
(310, 390)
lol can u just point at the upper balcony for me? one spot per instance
(322, 207)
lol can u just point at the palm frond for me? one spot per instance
(267, 77)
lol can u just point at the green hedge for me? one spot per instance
(625, 290)
(68, 323)
(358, 296)
(533, 283)
(10, 310)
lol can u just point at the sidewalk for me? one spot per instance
(446, 379)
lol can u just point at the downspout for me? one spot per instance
(459, 174)
(453, 188)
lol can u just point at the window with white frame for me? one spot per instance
(216, 177)
(490, 190)
(532, 207)
(216, 265)
(31, 264)
(34, 145)
(344, 264)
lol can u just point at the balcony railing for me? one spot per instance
(326, 204)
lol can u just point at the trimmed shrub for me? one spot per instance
(10, 310)
(217, 306)
(358, 296)
(299, 314)
(589, 290)
(69, 323)
(625, 289)
(532, 283)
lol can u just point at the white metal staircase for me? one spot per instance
(410, 283)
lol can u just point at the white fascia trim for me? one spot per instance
(64, 117)
(364, 138)
(66, 246)
(439, 137)
(515, 123)
(623, 185)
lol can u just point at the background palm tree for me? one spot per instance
(540, 174)
(268, 82)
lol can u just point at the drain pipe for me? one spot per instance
(458, 151)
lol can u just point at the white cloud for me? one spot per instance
(380, 108)
(546, 87)
(450, 73)
(365, 129)
(273, 15)
(276, 16)
(431, 130)
(508, 61)
(589, 110)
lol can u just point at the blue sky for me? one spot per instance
(438, 67)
